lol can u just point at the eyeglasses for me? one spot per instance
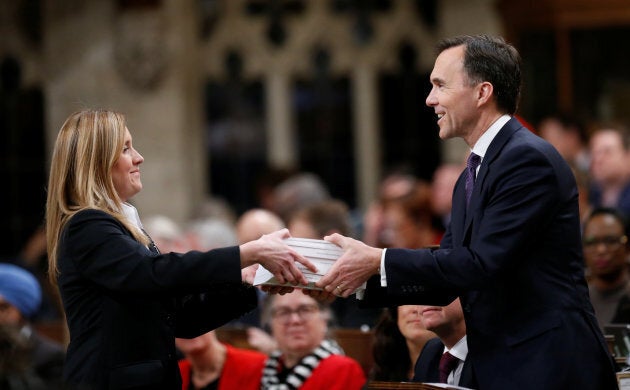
(304, 312)
(610, 242)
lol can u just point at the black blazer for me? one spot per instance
(515, 259)
(125, 303)
(427, 368)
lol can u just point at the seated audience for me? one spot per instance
(210, 364)
(393, 186)
(399, 338)
(442, 184)
(606, 256)
(610, 168)
(444, 359)
(409, 219)
(568, 136)
(305, 358)
(20, 299)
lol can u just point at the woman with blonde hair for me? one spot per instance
(125, 302)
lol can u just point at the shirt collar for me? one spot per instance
(131, 214)
(481, 147)
(459, 350)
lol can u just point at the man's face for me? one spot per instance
(436, 317)
(452, 98)
(608, 158)
(297, 323)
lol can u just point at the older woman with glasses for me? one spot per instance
(606, 257)
(305, 359)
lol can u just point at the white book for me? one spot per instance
(322, 254)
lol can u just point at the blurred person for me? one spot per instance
(166, 233)
(299, 190)
(606, 257)
(394, 185)
(16, 372)
(569, 137)
(255, 223)
(211, 364)
(317, 221)
(399, 338)
(442, 185)
(125, 302)
(305, 358)
(32, 257)
(214, 208)
(210, 233)
(443, 359)
(409, 219)
(610, 168)
(20, 300)
(583, 183)
(512, 252)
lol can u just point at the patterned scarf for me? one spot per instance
(301, 372)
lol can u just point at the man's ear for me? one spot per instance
(485, 90)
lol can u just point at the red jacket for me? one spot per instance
(242, 370)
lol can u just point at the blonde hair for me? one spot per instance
(87, 147)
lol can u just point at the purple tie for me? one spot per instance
(447, 363)
(471, 171)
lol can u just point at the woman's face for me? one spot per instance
(126, 170)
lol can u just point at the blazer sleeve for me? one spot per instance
(102, 251)
(413, 294)
(222, 302)
(515, 200)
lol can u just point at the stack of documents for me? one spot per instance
(322, 254)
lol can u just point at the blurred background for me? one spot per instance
(224, 98)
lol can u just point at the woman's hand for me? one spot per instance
(277, 257)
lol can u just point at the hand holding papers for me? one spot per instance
(322, 254)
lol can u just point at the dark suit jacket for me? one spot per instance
(515, 260)
(427, 369)
(125, 304)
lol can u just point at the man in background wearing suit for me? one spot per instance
(512, 252)
(443, 359)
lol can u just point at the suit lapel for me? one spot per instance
(495, 147)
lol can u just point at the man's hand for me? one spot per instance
(353, 268)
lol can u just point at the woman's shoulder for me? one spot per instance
(85, 215)
(88, 219)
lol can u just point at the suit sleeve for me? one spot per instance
(520, 197)
(102, 251)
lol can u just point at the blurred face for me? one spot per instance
(126, 170)
(410, 323)
(604, 246)
(9, 314)
(609, 160)
(452, 98)
(194, 346)
(444, 180)
(297, 323)
(400, 229)
(300, 227)
(438, 317)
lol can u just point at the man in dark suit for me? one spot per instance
(512, 252)
(447, 322)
